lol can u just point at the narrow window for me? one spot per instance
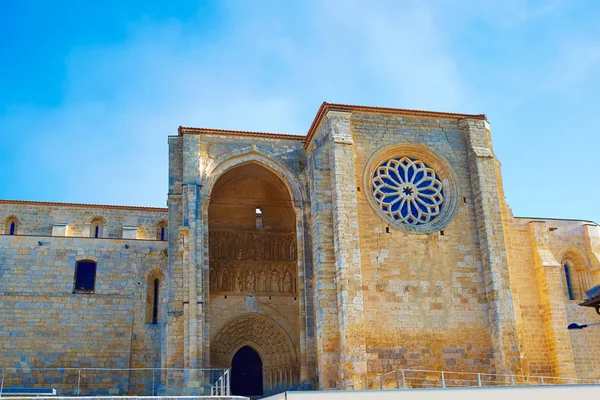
(96, 228)
(568, 280)
(10, 226)
(85, 277)
(259, 219)
(155, 303)
(161, 231)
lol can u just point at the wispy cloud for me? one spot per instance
(268, 65)
(106, 142)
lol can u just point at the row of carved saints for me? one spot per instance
(252, 246)
(249, 282)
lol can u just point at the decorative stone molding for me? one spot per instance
(246, 155)
(412, 187)
(262, 334)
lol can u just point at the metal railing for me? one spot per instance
(222, 386)
(422, 378)
(120, 381)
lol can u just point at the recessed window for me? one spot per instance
(259, 218)
(152, 299)
(161, 231)
(85, 276)
(577, 277)
(96, 227)
(155, 303)
(10, 226)
(568, 282)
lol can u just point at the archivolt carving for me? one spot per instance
(265, 336)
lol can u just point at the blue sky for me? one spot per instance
(89, 91)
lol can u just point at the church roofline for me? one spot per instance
(541, 219)
(325, 107)
(82, 205)
(209, 131)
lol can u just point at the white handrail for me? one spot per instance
(443, 379)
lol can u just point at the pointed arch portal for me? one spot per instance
(246, 373)
(274, 348)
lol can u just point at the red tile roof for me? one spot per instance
(207, 131)
(80, 205)
(325, 107)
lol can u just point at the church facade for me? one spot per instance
(381, 240)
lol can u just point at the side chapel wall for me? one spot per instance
(540, 246)
(46, 325)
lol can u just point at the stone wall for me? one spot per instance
(428, 288)
(540, 249)
(45, 324)
(223, 179)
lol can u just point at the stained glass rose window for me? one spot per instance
(408, 191)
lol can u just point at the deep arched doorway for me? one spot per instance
(246, 373)
(253, 275)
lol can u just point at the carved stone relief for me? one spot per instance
(273, 345)
(253, 262)
(265, 246)
(248, 278)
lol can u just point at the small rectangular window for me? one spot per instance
(259, 219)
(85, 277)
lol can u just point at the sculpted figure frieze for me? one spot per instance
(253, 262)
(263, 246)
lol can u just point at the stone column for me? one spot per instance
(326, 324)
(548, 272)
(348, 278)
(193, 310)
(486, 191)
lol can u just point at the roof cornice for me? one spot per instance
(323, 110)
(81, 205)
(228, 132)
(326, 107)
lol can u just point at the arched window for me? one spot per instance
(568, 281)
(96, 227)
(577, 277)
(155, 303)
(161, 231)
(152, 299)
(85, 276)
(11, 225)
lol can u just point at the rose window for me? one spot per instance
(408, 191)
